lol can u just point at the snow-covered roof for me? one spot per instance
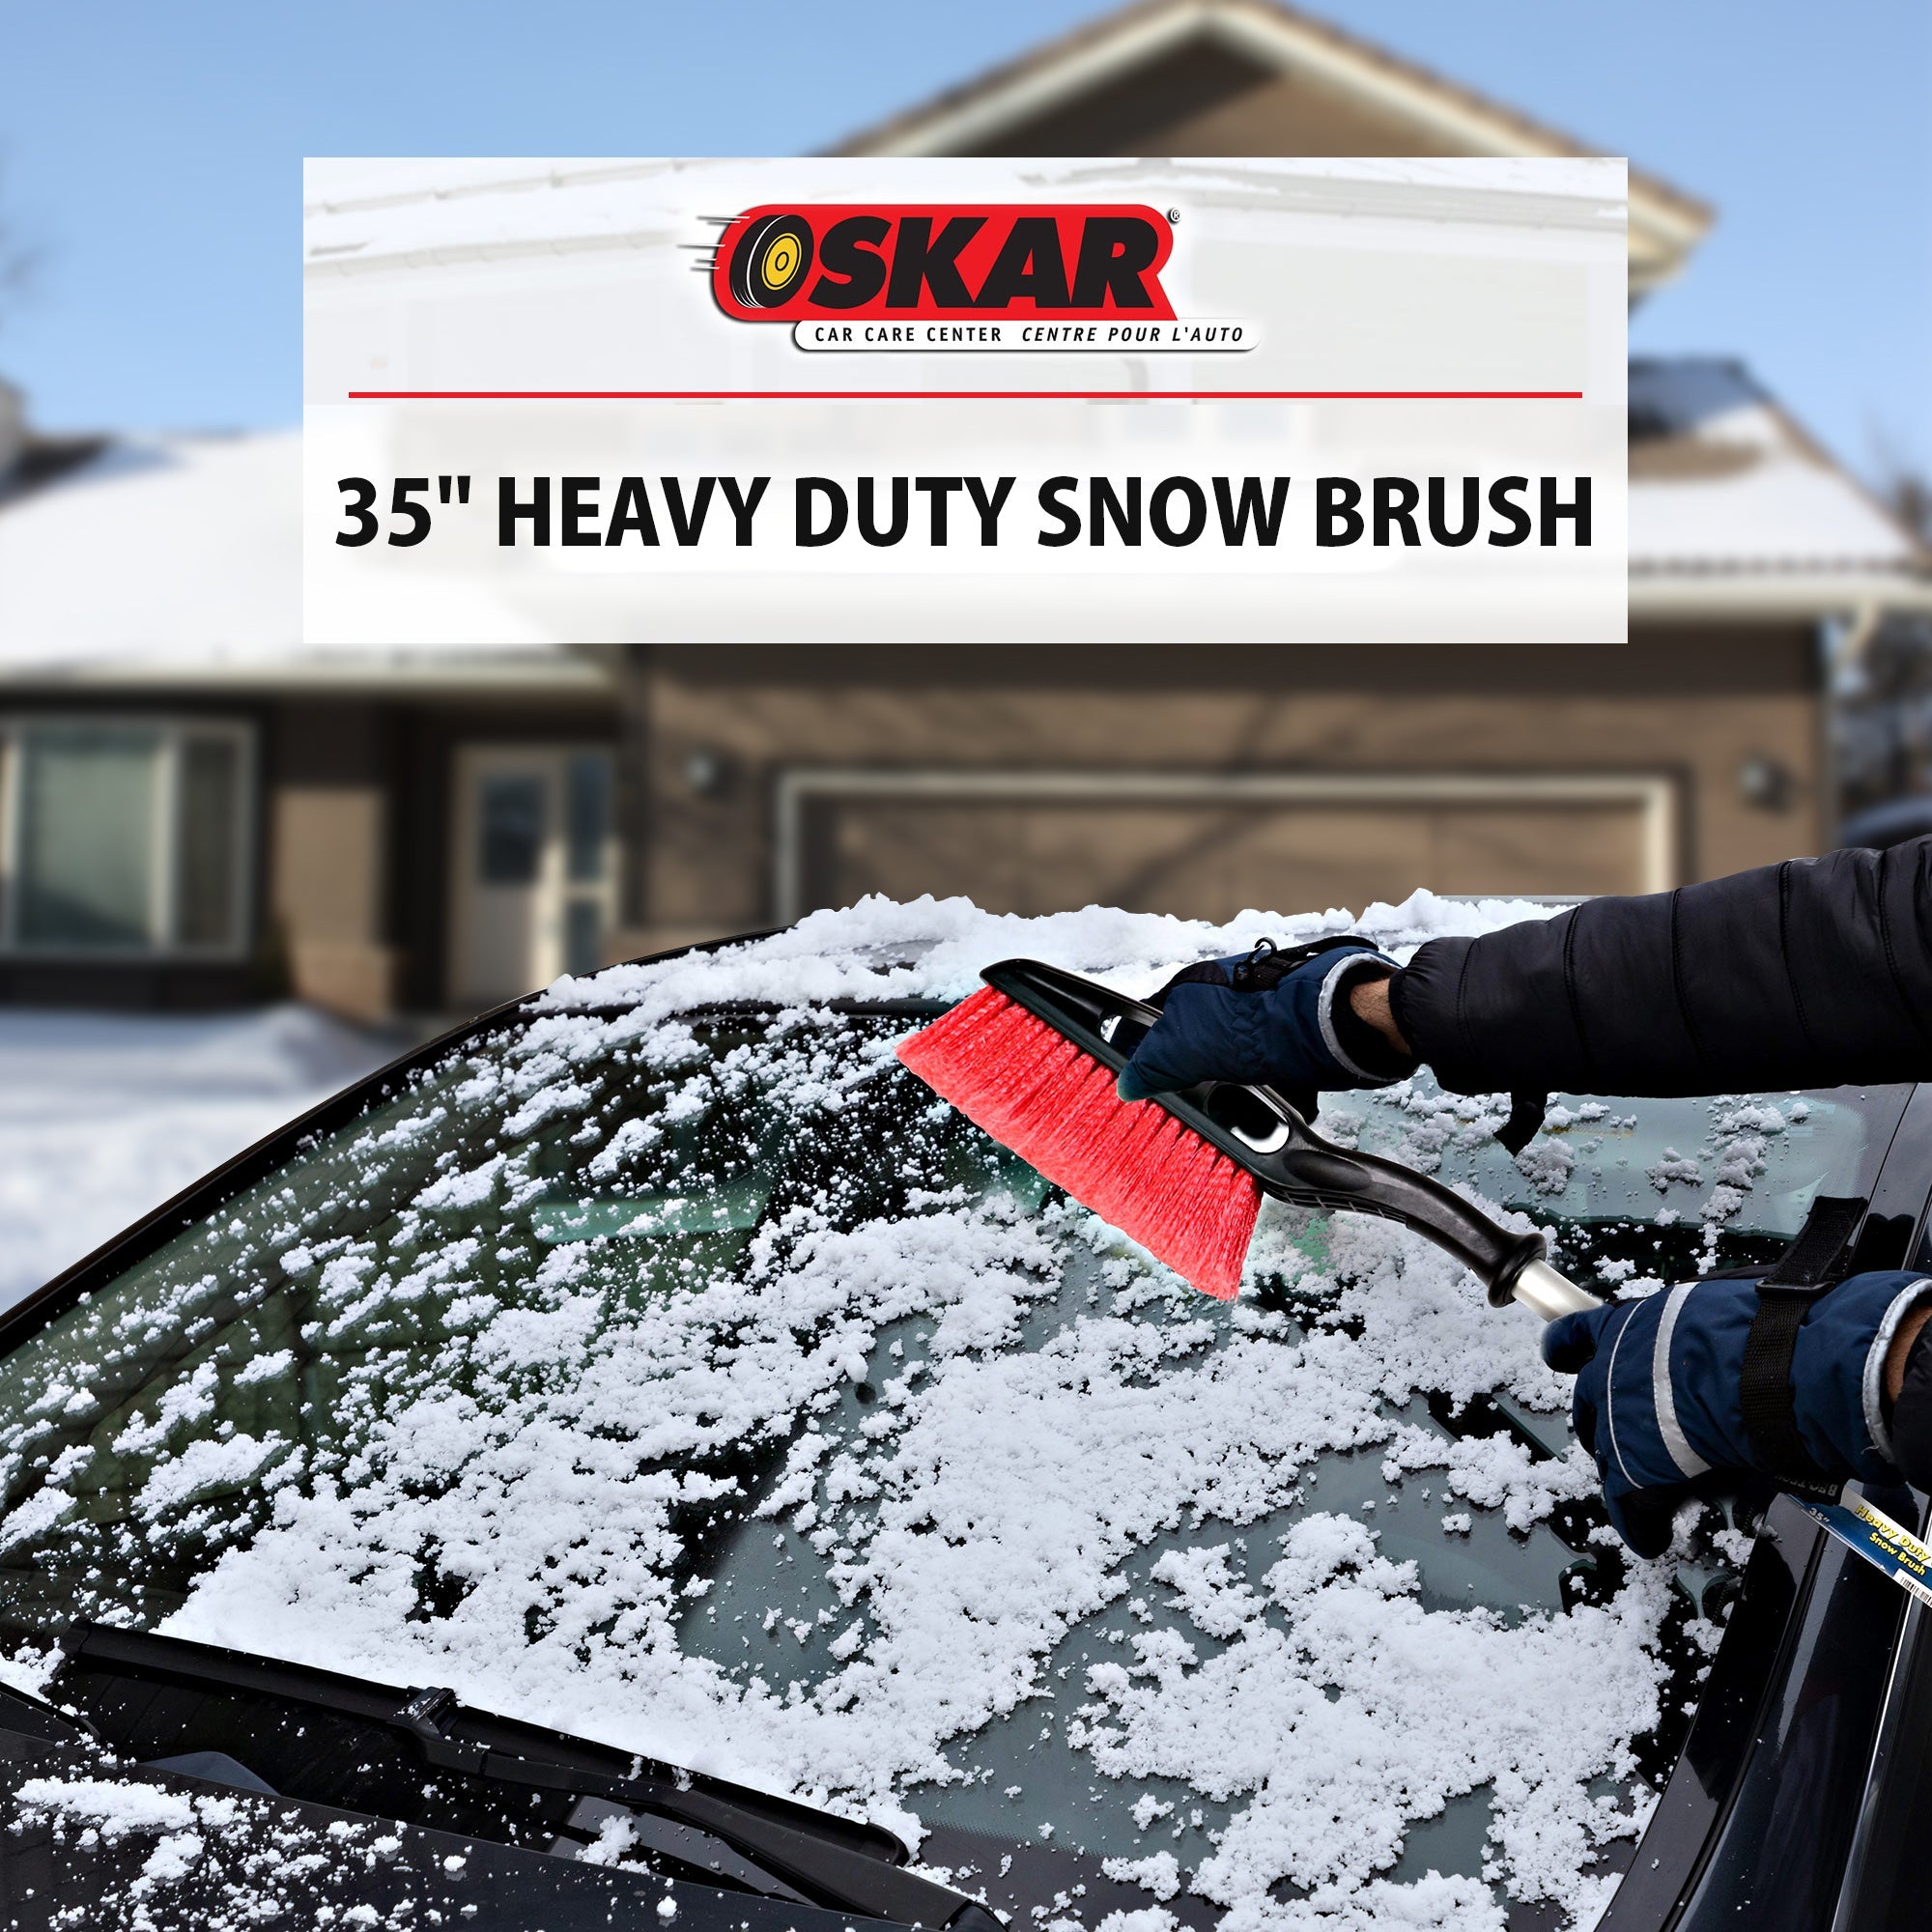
(1723, 480)
(177, 558)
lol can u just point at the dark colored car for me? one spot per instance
(657, 1364)
(1890, 824)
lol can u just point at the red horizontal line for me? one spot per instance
(962, 395)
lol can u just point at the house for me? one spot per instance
(1208, 779)
(195, 808)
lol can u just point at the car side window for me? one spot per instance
(1659, 1188)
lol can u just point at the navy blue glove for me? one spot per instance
(1657, 1381)
(1267, 1018)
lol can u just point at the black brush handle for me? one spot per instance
(1257, 1128)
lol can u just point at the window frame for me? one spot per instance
(172, 732)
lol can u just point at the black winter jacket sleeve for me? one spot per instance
(1815, 973)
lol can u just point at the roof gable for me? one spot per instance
(1723, 480)
(1254, 78)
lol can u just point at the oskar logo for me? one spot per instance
(924, 263)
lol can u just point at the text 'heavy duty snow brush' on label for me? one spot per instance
(1033, 1057)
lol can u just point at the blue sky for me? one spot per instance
(150, 149)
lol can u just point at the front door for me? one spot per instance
(535, 868)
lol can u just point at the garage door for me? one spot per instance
(1210, 857)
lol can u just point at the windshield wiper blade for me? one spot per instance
(772, 1845)
(829, 1873)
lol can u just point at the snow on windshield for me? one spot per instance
(560, 1447)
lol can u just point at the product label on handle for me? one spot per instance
(1879, 1540)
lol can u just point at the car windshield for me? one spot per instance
(703, 1386)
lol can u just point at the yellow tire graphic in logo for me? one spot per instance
(778, 266)
(771, 261)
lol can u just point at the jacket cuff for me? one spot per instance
(1355, 1045)
(1911, 1417)
(1878, 1419)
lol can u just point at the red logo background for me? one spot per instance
(817, 262)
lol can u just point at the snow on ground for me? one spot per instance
(810, 1488)
(103, 1116)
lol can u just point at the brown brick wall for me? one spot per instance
(328, 826)
(1687, 707)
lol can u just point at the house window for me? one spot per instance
(124, 835)
(513, 829)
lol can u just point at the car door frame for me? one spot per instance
(1805, 1605)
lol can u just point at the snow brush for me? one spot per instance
(1031, 1058)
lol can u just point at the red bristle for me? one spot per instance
(1131, 1162)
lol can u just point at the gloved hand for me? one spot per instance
(1657, 1381)
(1267, 1018)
